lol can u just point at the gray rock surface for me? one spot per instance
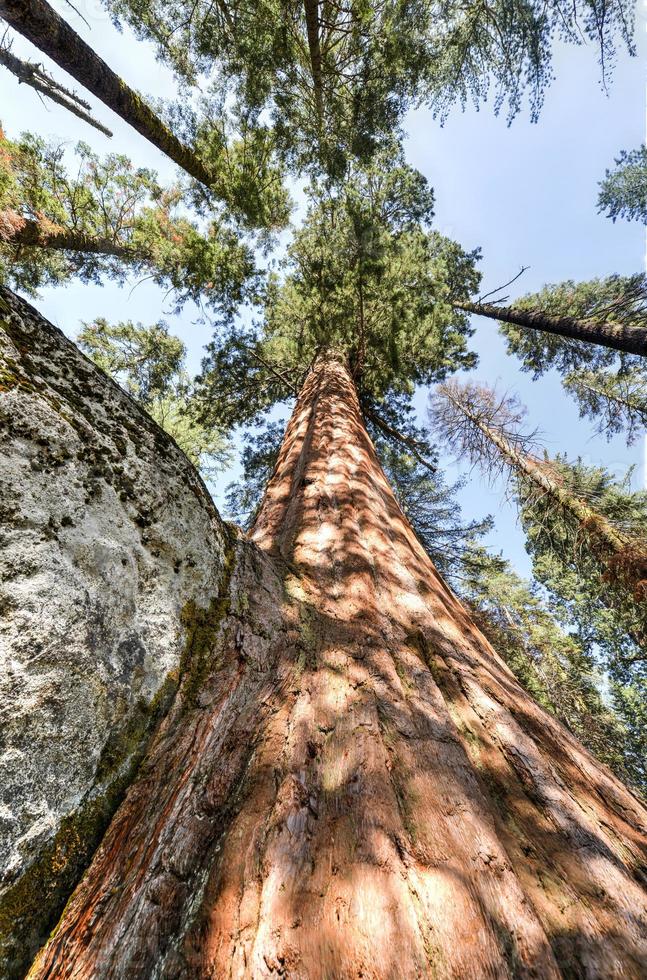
(109, 542)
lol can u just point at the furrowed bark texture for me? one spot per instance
(111, 555)
(632, 340)
(360, 788)
(39, 23)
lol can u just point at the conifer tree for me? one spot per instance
(584, 531)
(610, 388)
(623, 192)
(615, 400)
(109, 219)
(430, 505)
(366, 276)
(338, 78)
(243, 171)
(626, 335)
(556, 665)
(39, 23)
(332, 773)
(575, 570)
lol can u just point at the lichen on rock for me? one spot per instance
(108, 536)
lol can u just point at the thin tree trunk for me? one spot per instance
(367, 792)
(311, 8)
(538, 474)
(41, 25)
(632, 340)
(624, 556)
(32, 234)
(625, 401)
(34, 76)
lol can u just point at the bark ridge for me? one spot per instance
(357, 786)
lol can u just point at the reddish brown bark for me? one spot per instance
(371, 794)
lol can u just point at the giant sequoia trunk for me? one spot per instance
(351, 783)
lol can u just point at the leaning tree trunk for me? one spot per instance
(39, 23)
(25, 233)
(629, 407)
(622, 556)
(631, 339)
(354, 784)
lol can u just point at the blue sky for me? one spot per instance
(526, 194)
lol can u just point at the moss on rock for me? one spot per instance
(31, 906)
(203, 626)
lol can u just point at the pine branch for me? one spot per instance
(412, 445)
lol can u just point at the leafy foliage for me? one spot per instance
(569, 563)
(111, 220)
(584, 530)
(615, 401)
(506, 46)
(610, 388)
(149, 363)
(554, 665)
(623, 192)
(242, 156)
(337, 77)
(364, 276)
(331, 80)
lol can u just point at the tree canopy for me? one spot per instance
(365, 275)
(623, 192)
(337, 77)
(108, 219)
